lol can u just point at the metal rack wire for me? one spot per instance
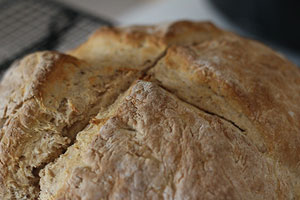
(31, 25)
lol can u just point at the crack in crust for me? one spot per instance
(206, 111)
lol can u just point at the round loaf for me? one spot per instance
(177, 111)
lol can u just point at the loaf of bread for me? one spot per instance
(177, 111)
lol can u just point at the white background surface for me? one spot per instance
(126, 12)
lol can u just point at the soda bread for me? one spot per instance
(177, 111)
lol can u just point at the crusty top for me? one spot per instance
(154, 146)
(216, 117)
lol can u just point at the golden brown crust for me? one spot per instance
(231, 131)
(247, 84)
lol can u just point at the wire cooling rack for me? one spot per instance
(31, 25)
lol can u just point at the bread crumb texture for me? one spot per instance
(179, 111)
